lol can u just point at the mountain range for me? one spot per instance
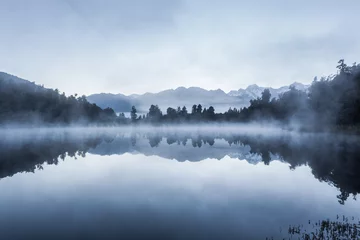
(180, 96)
(179, 152)
(187, 97)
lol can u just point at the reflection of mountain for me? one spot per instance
(333, 159)
(184, 149)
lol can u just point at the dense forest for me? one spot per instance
(330, 101)
(25, 102)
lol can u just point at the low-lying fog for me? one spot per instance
(13, 131)
(260, 172)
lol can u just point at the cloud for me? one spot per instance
(139, 46)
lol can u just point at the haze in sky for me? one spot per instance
(137, 46)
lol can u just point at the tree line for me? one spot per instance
(330, 101)
(25, 102)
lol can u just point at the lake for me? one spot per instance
(173, 183)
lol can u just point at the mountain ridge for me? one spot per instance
(187, 96)
(249, 87)
(180, 96)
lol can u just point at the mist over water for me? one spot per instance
(241, 149)
(173, 182)
(21, 132)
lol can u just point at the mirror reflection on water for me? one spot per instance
(173, 183)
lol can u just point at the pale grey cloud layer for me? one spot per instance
(135, 46)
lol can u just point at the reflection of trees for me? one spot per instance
(335, 160)
(29, 156)
(172, 139)
(133, 139)
(196, 141)
(154, 140)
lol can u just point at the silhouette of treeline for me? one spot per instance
(22, 101)
(29, 156)
(331, 101)
(333, 159)
(336, 162)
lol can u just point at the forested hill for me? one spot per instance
(22, 101)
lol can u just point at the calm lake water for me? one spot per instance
(173, 184)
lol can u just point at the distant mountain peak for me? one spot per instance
(180, 88)
(254, 91)
(252, 86)
(300, 86)
(183, 96)
(297, 84)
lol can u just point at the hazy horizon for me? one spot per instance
(175, 88)
(114, 92)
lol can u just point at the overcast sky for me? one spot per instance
(137, 46)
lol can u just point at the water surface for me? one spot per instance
(160, 184)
